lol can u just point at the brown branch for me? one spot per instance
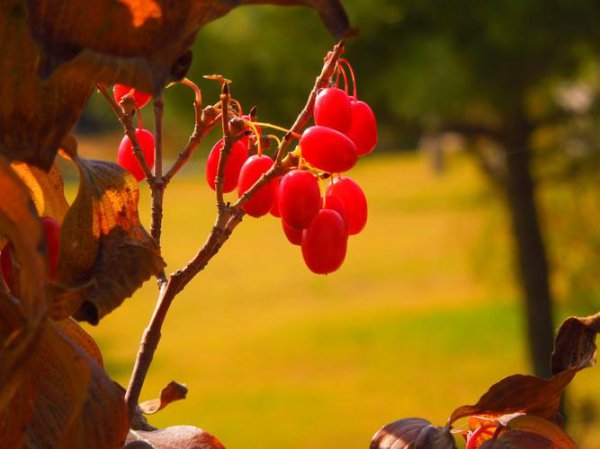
(227, 144)
(228, 218)
(126, 120)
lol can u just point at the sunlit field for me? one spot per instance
(419, 319)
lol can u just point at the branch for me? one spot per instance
(228, 218)
(126, 120)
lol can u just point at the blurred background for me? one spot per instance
(483, 230)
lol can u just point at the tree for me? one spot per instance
(491, 71)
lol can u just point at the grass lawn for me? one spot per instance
(276, 357)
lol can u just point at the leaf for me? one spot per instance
(20, 319)
(46, 190)
(412, 433)
(519, 440)
(34, 115)
(575, 345)
(142, 43)
(176, 437)
(106, 255)
(81, 338)
(543, 428)
(520, 393)
(76, 405)
(172, 392)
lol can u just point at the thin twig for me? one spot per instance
(126, 120)
(227, 145)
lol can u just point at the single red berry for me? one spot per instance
(324, 242)
(51, 233)
(235, 160)
(332, 109)
(293, 235)
(127, 159)
(337, 204)
(299, 198)
(6, 262)
(275, 206)
(363, 127)
(354, 199)
(251, 171)
(141, 98)
(51, 230)
(327, 149)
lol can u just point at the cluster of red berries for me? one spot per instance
(345, 129)
(51, 231)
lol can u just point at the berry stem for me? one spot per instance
(344, 76)
(349, 66)
(269, 125)
(127, 122)
(198, 93)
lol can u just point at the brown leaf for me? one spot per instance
(520, 393)
(172, 392)
(176, 437)
(47, 190)
(34, 115)
(106, 255)
(20, 319)
(81, 338)
(541, 427)
(519, 440)
(575, 345)
(412, 433)
(75, 404)
(143, 43)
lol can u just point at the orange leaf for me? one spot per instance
(106, 255)
(172, 392)
(47, 190)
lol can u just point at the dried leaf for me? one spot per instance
(172, 392)
(520, 393)
(76, 405)
(412, 433)
(541, 427)
(20, 319)
(176, 437)
(47, 190)
(519, 440)
(34, 115)
(81, 338)
(575, 345)
(106, 255)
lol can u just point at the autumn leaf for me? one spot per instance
(172, 392)
(412, 433)
(47, 190)
(106, 254)
(176, 437)
(20, 318)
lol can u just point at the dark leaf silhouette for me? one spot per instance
(412, 433)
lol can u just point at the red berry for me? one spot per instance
(327, 149)
(275, 206)
(141, 98)
(6, 262)
(354, 199)
(332, 109)
(337, 204)
(363, 127)
(299, 198)
(235, 160)
(126, 158)
(324, 242)
(52, 233)
(251, 171)
(293, 235)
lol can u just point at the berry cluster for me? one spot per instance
(344, 129)
(51, 231)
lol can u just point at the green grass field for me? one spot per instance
(276, 357)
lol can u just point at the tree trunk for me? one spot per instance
(531, 257)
